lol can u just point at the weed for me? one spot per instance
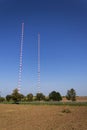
(66, 110)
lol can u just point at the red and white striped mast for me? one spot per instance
(38, 62)
(21, 58)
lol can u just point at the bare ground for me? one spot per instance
(29, 117)
(78, 99)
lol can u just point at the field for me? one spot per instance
(78, 99)
(42, 117)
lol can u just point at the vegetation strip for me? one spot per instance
(50, 103)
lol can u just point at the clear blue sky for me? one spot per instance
(63, 29)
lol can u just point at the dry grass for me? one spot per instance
(78, 99)
(30, 117)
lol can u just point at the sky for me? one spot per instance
(62, 25)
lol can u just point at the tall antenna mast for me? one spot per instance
(38, 62)
(21, 57)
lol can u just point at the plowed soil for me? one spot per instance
(30, 117)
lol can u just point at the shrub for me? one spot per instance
(66, 111)
(55, 96)
(2, 99)
(40, 96)
(30, 97)
(8, 97)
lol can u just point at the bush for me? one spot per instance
(40, 96)
(2, 99)
(55, 96)
(30, 97)
(22, 96)
(8, 97)
(66, 111)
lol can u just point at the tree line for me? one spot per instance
(17, 97)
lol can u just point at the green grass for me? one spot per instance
(49, 103)
(56, 103)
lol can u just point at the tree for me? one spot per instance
(30, 97)
(8, 97)
(40, 96)
(71, 94)
(55, 96)
(22, 96)
(2, 99)
(16, 96)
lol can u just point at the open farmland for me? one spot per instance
(78, 99)
(42, 117)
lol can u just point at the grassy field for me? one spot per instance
(42, 117)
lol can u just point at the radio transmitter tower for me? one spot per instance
(38, 62)
(21, 57)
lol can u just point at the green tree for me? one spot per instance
(8, 97)
(30, 97)
(71, 94)
(40, 96)
(22, 97)
(16, 96)
(2, 99)
(55, 96)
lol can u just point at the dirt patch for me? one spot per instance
(78, 99)
(29, 117)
